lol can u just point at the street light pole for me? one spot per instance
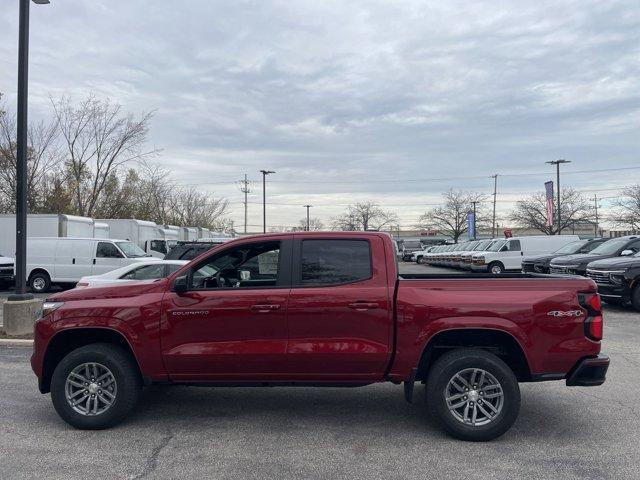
(21, 153)
(264, 198)
(557, 164)
(308, 207)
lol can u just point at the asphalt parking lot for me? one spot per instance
(369, 432)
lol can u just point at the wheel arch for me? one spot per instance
(65, 341)
(500, 342)
(35, 270)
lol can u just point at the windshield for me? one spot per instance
(572, 247)
(482, 245)
(131, 250)
(496, 246)
(610, 246)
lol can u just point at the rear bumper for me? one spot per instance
(589, 372)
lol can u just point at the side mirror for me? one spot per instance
(244, 275)
(626, 253)
(504, 249)
(180, 285)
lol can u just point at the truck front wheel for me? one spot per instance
(95, 386)
(473, 394)
(40, 282)
(496, 268)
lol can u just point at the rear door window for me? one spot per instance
(334, 262)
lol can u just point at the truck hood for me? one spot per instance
(110, 291)
(6, 261)
(615, 263)
(543, 258)
(579, 259)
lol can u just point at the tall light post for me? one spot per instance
(308, 225)
(264, 198)
(557, 164)
(21, 152)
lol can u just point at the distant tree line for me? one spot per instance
(90, 159)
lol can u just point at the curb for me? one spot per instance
(19, 342)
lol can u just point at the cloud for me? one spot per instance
(363, 90)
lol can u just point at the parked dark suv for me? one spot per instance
(540, 263)
(618, 279)
(190, 250)
(614, 247)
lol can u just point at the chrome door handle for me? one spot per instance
(265, 308)
(362, 306)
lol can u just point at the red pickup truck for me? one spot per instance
(320, 309)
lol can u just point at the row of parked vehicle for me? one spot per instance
(613, 263)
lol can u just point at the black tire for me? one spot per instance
(420, 260)
(455, 361)
(635, 298)
(40, 282)
(497, 266)
(127, 379)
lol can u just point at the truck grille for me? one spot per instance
(598, 277)
(558, 270)
(6, 270)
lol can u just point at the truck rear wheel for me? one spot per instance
(95, 386)
(473, 394)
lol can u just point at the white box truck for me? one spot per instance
(101, 230)
(55, 225)
(203, 233)
(147, 235)
(64, 261)
(188, 234)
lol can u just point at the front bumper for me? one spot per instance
(589, 372)
(479, 268)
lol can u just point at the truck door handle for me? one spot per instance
(94, 261)
(265, 308)
(73, 261)
(363, 306)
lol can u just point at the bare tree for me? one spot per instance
(98, 139)
(364, 216)
(315, 225)
(43, 158)
(626, 207)
(451, 217)
(531, 212)
(189, 206)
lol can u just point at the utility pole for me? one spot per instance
(557, 164)
(264, 198)
(474, 218)
(308, 207)
(495, 194)
(244, 188)
(595, 202)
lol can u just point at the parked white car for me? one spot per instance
(145, 270)
(508, 254)
(66, 260)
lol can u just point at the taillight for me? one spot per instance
(593, 325)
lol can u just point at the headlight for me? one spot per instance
(49, 307)
(616, 277)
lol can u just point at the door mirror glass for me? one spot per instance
(180, 285)
(627, 252)
(244, 275)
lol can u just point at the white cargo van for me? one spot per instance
(53, 261)
(56, 225)
(188, 234)
(507, 254)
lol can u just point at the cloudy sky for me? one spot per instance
(391, 101)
